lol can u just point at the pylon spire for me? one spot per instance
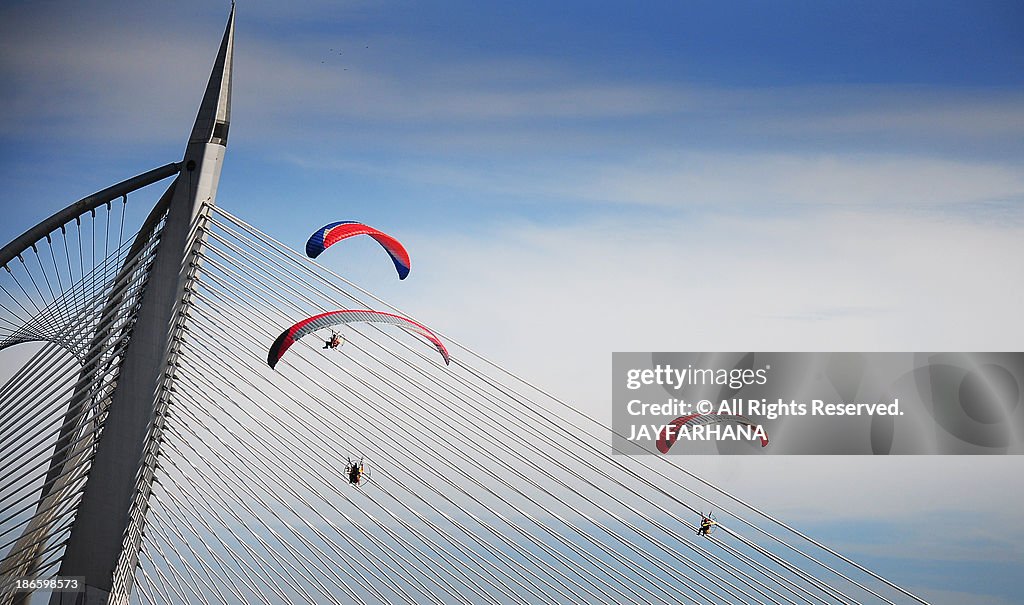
(215, 111)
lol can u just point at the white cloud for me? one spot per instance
(552, 303)
(547, 297)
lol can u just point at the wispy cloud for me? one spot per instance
(1000, 116)
(98, 80)
(722, 182)
(839, 180)
(306, 88)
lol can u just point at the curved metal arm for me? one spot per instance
(33, 235)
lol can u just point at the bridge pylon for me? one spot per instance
(120, 401)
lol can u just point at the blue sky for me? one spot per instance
(719, 176)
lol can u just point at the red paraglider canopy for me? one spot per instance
(333, 318)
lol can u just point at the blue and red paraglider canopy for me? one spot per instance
(328, 235)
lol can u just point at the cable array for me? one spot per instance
(53, 408)
(482, 487)
(72, 283)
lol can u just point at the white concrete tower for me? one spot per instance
(104, 541)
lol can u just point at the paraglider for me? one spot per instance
(356, 472)
(334, 341)
(328, 235)
(334, 318)
(671, 431)
(707, 525)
